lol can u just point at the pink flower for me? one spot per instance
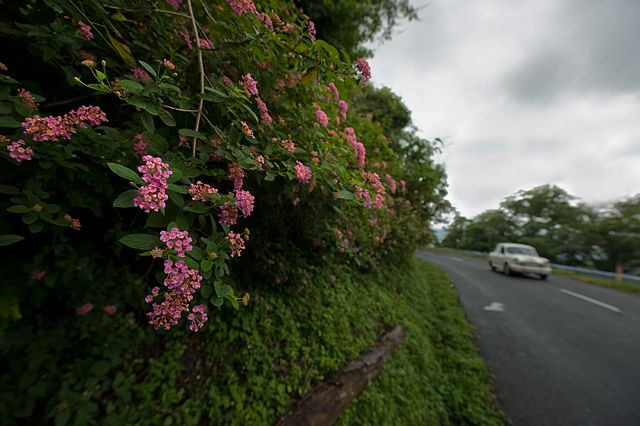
(288, 145)
(260, 162)
(236, 243)
(228, 214)
(140, 74)
(85, 30)
(403, 186)
(363, 67)
(205, 44)
(246, 129)
(360, 151)
(241, 7)
(249, 85)
(153, 196)
(174, 3)
(52, 128)
(244, 202)
(226, 80)
(27, 98)
(236, 175)
(170, 65)
(362, 194)
(38, 274)
(303, 173)
(264, 111)
(110, 309)
(199, 191)
(336, 95)
(198, 318)
(139, 145)
(19, 151)
(344, 108)
(322, 118)
(84, 309)
(177, 240)
(312, 30)
(186, 37)
(392, 183)
(263, 17)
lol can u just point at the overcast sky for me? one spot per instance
(524, 93)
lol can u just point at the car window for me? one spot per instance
(502, 249)
(529, 251)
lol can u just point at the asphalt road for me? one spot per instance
(557, 358)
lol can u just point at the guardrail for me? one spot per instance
(597, 273)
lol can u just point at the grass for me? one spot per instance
(249, 367)
(578, 276)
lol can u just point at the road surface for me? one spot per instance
(562, 352)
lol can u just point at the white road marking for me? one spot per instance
(495, 306)
(588, 299)
(458, 259)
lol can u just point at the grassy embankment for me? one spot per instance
(589, 279)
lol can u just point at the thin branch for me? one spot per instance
(179, 109)
(201, 65)
(168, 12)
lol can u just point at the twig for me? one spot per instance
(179, 109)
(201, 104)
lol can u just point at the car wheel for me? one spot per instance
(493, 268)
(543, 277)
(506, 269)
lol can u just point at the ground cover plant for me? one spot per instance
(170, 167)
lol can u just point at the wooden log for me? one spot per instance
(327, 401)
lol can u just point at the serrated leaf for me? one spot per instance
(167, 118)
(125, 173)
(192, 133)
(130, 86)
(6, 240)
(147, 122)
(140, 241)
(177, 188)
(125, 200)
(206, 265)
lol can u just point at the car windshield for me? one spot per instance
(529, 251)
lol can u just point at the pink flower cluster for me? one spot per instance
(177, 240)
(303, 173)
(27, 98)
(140, 74)
(198, 318)
(236, 243)
(240, 7)
(205, 44)
(52, 128)
(264, 18)
(264, 111)
(260, 162)
(312, 30)
(185, 36)
(321, 117)
(228, 214)
(139, 145)
(153, 196)
(392, 183)
(174, 3)
(236, 175)
(344, 108)
(332, 87)
(182, 283)
(249, 85)
(85, 30)
(19, 151)
(244, 202)
(364, 195)
(360, 151)
(363, 67)
(84, 309)
(199, 191)
(288, 145)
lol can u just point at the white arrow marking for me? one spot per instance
(588, 299)
(495, 306)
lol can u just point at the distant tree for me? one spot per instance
(349, 24)
(456, 232)
(488, 229)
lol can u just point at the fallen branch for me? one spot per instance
(327, 401)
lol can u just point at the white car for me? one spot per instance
(518, 258)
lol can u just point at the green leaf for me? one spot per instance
(206, 291)
(9, 189)
(217, 301)
(36, 227)
(149, 68)
(167, 118)
(192, 133)
(269, 177)
(147, 122)
(29, 218)
(140, 241)
(346, 195)
(19, 209)
(6, 121)
(206, 265)
(169, 87)
(175, 176)
(130, 86)
(125, 200)
(6, 240)
(145, 104)
(125, 173)
(176, 198)
(177, 188)
(101, 76)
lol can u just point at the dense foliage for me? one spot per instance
(165, 162)
(560, 226)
